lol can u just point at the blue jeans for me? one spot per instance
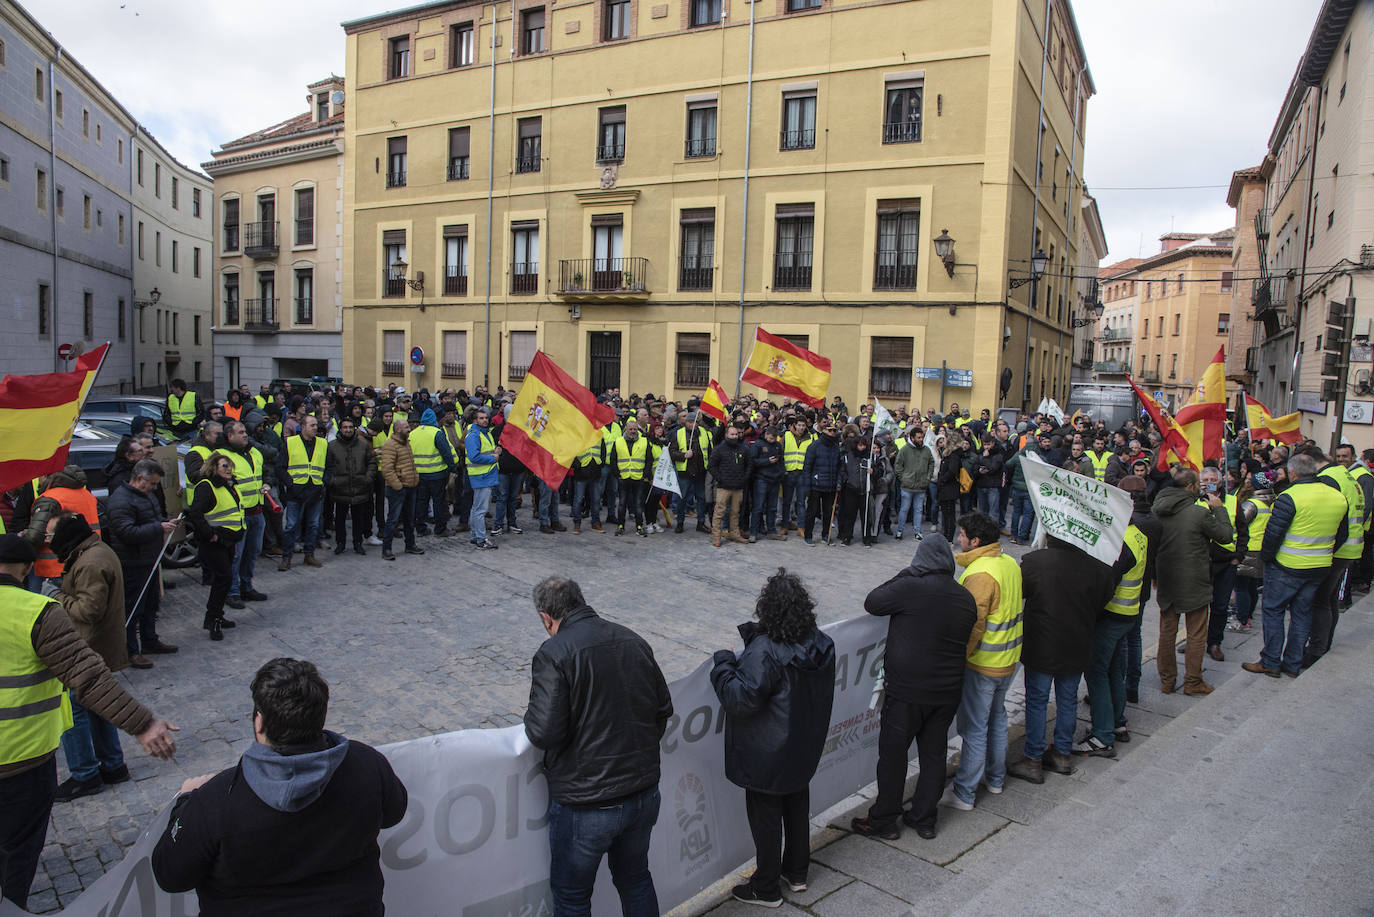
(913, 501)
(507, 495)
(983, 727)
(430, 498)
(1291, 593)
(1247, 597)
(301, 515)
(610, 489)
(481, 498)
(1022, 514)
(1107, 675)
(548, 504)
(592, 490)
(764, 519)
(91, 745)
(693, 496)
(400, 508)
(987, 500)
(1037, 709)
(246, 554)
(579, 838)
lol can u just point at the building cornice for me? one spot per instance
(1325, 39)
(278, 156)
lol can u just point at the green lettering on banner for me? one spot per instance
(1062, 525)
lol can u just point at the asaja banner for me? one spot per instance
(1078, 509)
(474, 839)
(665, 475)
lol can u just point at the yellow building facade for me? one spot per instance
(634, 187)
(1184, 313)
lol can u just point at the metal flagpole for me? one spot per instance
(156, 567)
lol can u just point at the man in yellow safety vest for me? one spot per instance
(42, 658)
(300, 468)
(1306, 523)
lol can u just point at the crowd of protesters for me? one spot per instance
(276, 474)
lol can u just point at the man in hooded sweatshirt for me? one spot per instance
(292, 829)
(930, 618)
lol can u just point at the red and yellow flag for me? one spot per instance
(714, 400)
(1203, 419)
(552, 420)
(1263, 425)
(37, 416)
(779, 366)
(1174, 440)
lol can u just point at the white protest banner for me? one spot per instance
(1050, 408)
(474, 839)
(883, 421)
(1078, 509)
(665, 475)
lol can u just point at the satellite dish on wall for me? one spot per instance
(337, 97)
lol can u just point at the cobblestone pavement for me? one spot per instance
(427, 645)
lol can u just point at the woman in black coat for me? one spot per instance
(777, 697)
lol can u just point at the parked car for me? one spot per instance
(119, 425)
(93, 449)
(130, 406)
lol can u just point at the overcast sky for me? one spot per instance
(1187, 90)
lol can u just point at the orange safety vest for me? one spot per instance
(77, 500)
(234, 413)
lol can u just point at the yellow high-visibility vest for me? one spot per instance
(1258, 524)
(1001, 643)
(703, 445)
(247, 476)
(794, 451)
(1126, 599)
(629, 459)
(1230, 503)
(34, 707)
(1360, 471)
(425, 450)
(227, 512)
(1311, 536)
(183, 409)
(303, 469)
(1354, 499)
(488, 445)
(1100, 464)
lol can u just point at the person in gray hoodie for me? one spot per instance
(292, 829)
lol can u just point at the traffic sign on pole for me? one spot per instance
(66, 352)
(417, 356)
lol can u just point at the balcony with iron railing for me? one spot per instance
(797, 140)
(260, 315)
(610, 152)
(455, 281)
(458, 168)
(393, 286)
(609, 279)
(891, 277)
(305, 310)
(305, 232)
(396, 179)
(1112, 366)
(1151, 376)
(453, 370)
(392, 367)
(524, 278)
(695, 274)
(700, 147)
(1117, 334)
(260, 239)
(1272, 298)
(788, 274)
(231, 311)
(902, 132)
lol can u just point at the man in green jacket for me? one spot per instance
(914, 468)
(1184, 575)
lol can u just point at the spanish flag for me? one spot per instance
(714, 400)
(779, 366)
(1203, 419)
(37, 416)
(1264, 425)
(552, 420)
(1174, 440)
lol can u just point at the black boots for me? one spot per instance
(216, 625)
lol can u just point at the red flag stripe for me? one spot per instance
(784, 344)
(47, 390)
(535, 457)
(778, 387)
(551, 374)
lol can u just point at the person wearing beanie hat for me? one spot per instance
(930, 619)
(39, 639)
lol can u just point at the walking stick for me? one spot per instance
(156, 567)
(834, 505)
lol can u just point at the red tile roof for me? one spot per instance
(299, 124)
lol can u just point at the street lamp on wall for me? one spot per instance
(1093, 313)
(944, 248)
(1039, 262)
(398, 271)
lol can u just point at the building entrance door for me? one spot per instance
(604, 369)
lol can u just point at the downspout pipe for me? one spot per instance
(52, 200)
(744, 221)
(491, 188)
(1035, 206)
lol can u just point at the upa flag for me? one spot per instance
(1203, 419)
(552, 420)
(1264, 425)
(713, 402)
(779, 366)
(37, 416)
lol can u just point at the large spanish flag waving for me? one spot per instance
(779, 366)
(1263, 425)
(1174, 440)
(714, 401)
(1203, 419)
(552, 420)
(37, 416)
